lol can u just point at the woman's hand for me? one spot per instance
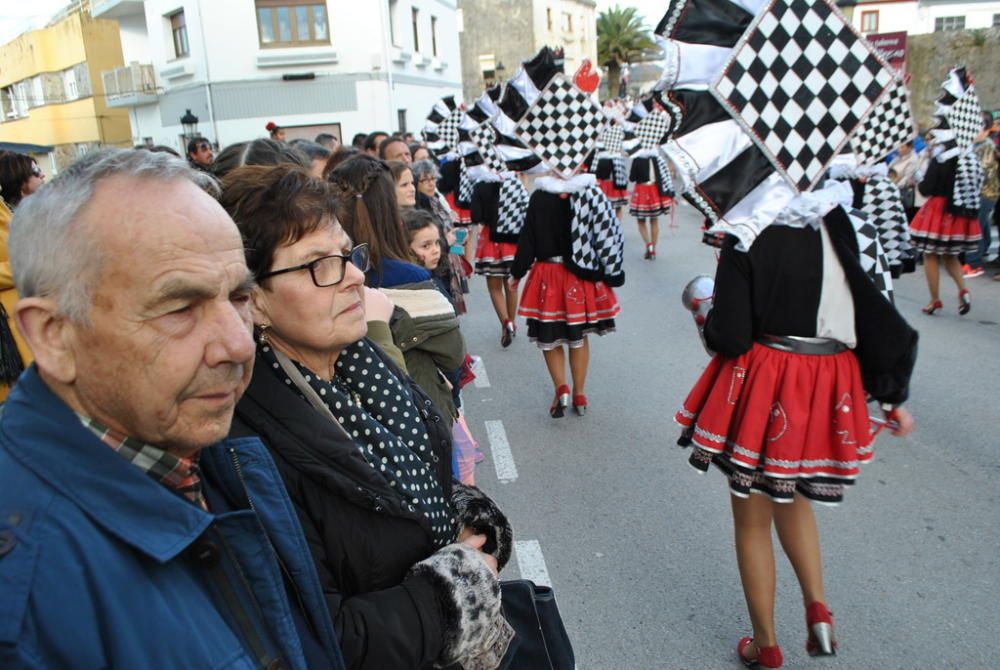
(470, 539)
(904, 421)
(378, 306)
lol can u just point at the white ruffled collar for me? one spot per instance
(574, 184)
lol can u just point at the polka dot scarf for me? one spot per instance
(378, 412)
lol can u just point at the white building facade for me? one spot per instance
(918, 17)
(309, 66)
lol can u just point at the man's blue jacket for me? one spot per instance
(102, 567)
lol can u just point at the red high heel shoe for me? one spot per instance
(580, 404)
(964, 301)
(767, 657)
(561, 402)
(819, 621)
(933, 307)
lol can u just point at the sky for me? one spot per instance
(17, 16)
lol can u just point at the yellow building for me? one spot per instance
(51, 91)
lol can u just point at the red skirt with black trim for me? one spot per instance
(646, 201)
(464, 215)
(936, 231)
(561, 308)
(617, 196)
(780, 423)
(493, 259)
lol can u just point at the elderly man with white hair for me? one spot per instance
(132, 533)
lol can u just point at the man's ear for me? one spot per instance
(49, 334)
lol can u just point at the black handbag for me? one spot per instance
(540, 641)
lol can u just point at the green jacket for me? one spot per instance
(425, 328)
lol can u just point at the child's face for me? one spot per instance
(427, 246)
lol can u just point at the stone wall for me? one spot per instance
(930, 56)
(504, 28)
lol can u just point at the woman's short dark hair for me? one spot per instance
(275, 206)
(15, 171)
(258, 152)
(369, 210)
(417, 219)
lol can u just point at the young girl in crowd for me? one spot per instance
(424, 237)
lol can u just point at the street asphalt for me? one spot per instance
(638, 545)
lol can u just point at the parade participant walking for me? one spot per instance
(363, 451)
(572, 241)
(134, 534)
(609, 165)
(802, 327)
(652, 190)
(948, 223)
(499, 205)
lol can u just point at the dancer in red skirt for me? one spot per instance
(566, 296)
(948, 223)
(653, 191)
(803, 337)
(609, 167)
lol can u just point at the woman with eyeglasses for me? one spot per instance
(400, 549)
(20, 177)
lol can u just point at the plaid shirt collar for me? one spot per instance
(178, 474)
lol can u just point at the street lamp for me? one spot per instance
(190, 124)
(500, 70)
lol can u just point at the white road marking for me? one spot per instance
(482, 380)
(530, 562)
(503, 460)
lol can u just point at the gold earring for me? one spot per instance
(262, 333)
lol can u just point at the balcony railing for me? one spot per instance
(130, 85)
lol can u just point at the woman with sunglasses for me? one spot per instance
(20, 177)
(363, 452)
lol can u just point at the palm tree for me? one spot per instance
(622, 36)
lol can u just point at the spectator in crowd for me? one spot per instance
(341, 155)
(329, 141)
(987, 153)
(146, 539)
(408, 138)
(418, 152)
(406, 588)
(200, 154)
(394, 148)
(16, 177)
(373, 142)
(20, 176)
(276, 132)
(358, 141)
(406, 190)
(258, 152)
(316, 153)
(903, 173)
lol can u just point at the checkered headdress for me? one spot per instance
(650, 126)
(770, 92)
(888, 126)
(958, 119)
(477, 138)
(544, 112)
(441, 129)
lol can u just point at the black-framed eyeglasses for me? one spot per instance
(330, 270)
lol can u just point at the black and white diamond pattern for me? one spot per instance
(484, 137)
(596, 233)
(965, 118)
(464, 185)
(801, 80)
(883, 205)
(611, 138)
(513, 207)
(889, 125)
(652, 131)
(562, 126)
(969, 178)
(619, 177)
(872, 256)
